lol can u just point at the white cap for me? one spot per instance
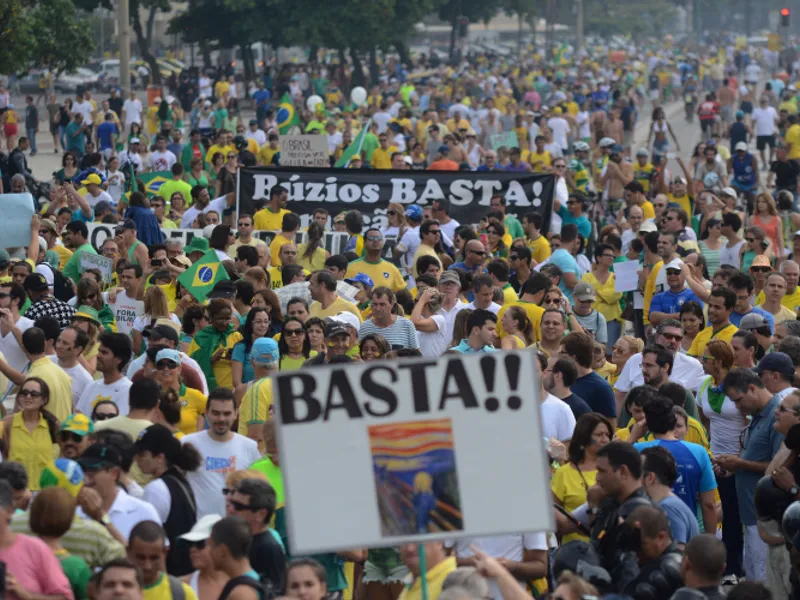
(157, 100)
(207, 103)
(347, 318)
(408, 160)
(201, 529)
(729, 191)
(796, 233)
(207, 231)
(133, 140)
(170, 99)
(648, 226)
(675, 264)
(740, 146)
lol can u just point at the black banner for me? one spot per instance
(370, 191)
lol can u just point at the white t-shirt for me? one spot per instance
(126, 310)
(138, 363)
(15, 357)
(560, 129)
(382, 120)
(85, 109)
(80, 379)
(726, 425)
(133, 111)
(685, 370)
(494, 307)
(584, 125)
(127, 512)
(433, 343)
(557, 419)
(204, 83)
(450, 227)
(752, 72)
(258, 135)
(765, 119)
(450, 319)
(131, 157)
(162, 161)
(217, 205)
(219, 459)
(102, 195)
(143, 321)
(97, 391)
(157, 493)
(730, 256)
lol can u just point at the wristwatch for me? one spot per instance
(105, 520)
(794, 490)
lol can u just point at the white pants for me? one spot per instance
(779, 567)
(755, 555)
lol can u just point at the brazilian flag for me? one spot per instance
(287, 117)
(200, 279)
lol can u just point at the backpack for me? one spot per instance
(262, 586)
(62, 285)
(176, 588)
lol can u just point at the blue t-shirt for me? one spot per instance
(261, 98)
(736, 317)
(695, 473)
(682, 523)
(582, 223)
(669, 302)
(105, 131)
(566, 262)
(239, 354)
(597, 394)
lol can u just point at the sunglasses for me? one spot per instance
(391, 212)
(478, 252)
(294, 332)
(238, 506)
(68, 436)
(434, 232)
(245, 224)
(30, 394)
(374, 238)
(760, 269)
(166, 366)
(199, 544)
(104, 416)
(675, 337)
(4, 295)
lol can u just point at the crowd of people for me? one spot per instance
(142, 417)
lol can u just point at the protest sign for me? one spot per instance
(15, 226)
(371, 190)
(432, 448)
(97, 261)
(507, 139)
(305, 151)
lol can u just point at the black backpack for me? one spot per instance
(62, 285)
(262, 586)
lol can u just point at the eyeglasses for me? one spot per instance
(750, 240)
(391, 213)
(245, 224)
(492, 232)
(514, 257)
(67, 436)
(104, 416)
(675, 337)
(238, 506)
(4, 295)
(30, 394)
(166, 366)
(294, 332)
(559, 166)
(231, 156)
(434, 231)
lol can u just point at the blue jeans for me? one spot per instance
(32, 139)
(61, 132)
(613, 329)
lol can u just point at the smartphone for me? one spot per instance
(671, 155)
(156, 262)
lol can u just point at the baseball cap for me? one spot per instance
(676, 264)
(753, 321)
(408, 160)
(355, 157)
(102, 207)
(775, 361)
(87, 312)
(642, 152)
(334, 328)
(443, 149)
(362, 278)
(201, 530)
(253, 122)
(583, 292)
(450, 277)
(127, 224)
(616, 149)
(729, 191)
(133, 140)
(607, 142)
(223, 289)
(741, 146)
(161, 331)
(348, 319)
(158, 439)
(35, 282)
(761, 261)
(92, 178)
(414, 212)
(78, 424)
(99, 456)
(679, 179)
(647, 227)
(168, 354)
(339, 218)
(265, 352)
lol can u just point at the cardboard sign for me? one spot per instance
(304, 151)
(97, 261)
(428, 449)
(507, 139)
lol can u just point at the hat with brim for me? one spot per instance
(222, 289)
(450, 277)
(201, 530)
(100, 456)
(334, 328)
(197, 244)
(88, 313)
(647, 227)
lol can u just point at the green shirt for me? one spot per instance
(176, 185)
(514, 227)
(73, 267)
(77, 572)
(369, 146)
(131, 250)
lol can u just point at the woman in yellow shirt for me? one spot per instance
(29, 437)
(518, 329)
(294, 345)
(572, 481)
(168, 375)
(311, 255)
(606, 297)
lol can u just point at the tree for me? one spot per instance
(144, 37)
(642, 18)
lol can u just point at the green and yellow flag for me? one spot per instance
(286, 115)
(200, 279)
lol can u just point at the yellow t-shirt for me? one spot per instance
(267, 220)
(256, 404)
(221, 87)
(793, 141)
(784, 314)
(382, 273)
(540, 249)
(509, 294)
(382, 159)
(650, 288)
(193, 404)
(569, 485)
(276, 277)
(435, 578)
(337, 306)
(423, 250)
(648, 211)
(315, 262)
(534, 312)
(60, 385)
(706, 335)
(222, 150)
(64, 254)
(266, 153)
(790, 301)
(642, 174)
(34, 450)
(545, 159)
(254, 241)
(606, 297)
(222, 367)
(685, 202)
(160, 590)
(275, 248)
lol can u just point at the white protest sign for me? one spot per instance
(97, 261)
(431, 449)
(15, 226)
(304, 151)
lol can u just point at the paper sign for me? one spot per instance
(304, 151)
(432, 449)
(507, 139)
(15, 226)
(97, 261)
(626, 276)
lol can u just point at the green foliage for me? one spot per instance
(46, 33)
(641, 18)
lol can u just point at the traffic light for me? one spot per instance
(463, 26)
(785, 14)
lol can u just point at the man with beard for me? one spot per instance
(222, 451)
(720, 307)
(73, 438)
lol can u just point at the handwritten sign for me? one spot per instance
(97, 261)
(304, 151)
(507, 139)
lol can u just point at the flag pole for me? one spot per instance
(423, 571)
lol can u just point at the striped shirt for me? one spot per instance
(400, 334)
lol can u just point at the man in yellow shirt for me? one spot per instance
(270, 218)
(533, 291)
(720, 307)
(791, 299)
(793, 138)
(148, 540)
(269, 150)
(539, 244)
(438, 567)
(382, 156)
(256, 402)
(540, 159)
(322, 286)
(222, 145)
(287, 235)
(372, 265)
